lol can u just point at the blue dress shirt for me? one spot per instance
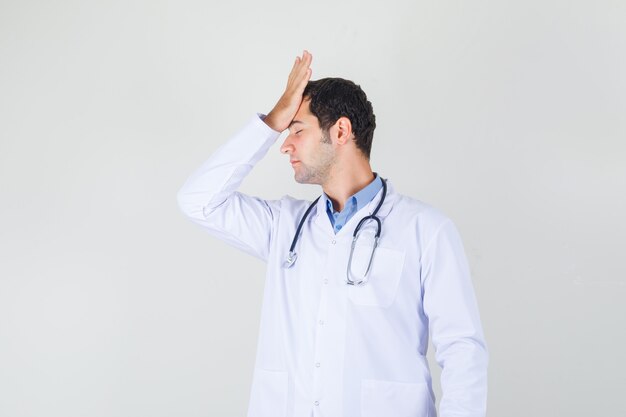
(355, 203)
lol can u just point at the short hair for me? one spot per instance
(332, 98)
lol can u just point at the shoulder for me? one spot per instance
(419, 211)
(422, 219)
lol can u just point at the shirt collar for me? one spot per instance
(362, 197)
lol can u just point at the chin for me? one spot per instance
(303, 179)
(305, 175)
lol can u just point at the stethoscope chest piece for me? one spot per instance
(291, 259)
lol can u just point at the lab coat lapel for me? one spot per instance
(390, 199)
(320, 218)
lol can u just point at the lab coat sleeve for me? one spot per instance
(450, 305)
(209, 197)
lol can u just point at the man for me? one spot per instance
(345, 326)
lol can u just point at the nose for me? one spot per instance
(287, 146)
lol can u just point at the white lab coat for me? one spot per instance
(329, 349)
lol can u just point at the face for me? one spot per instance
(310, 150)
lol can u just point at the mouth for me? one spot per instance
(294, 162)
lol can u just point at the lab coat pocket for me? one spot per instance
(268, 397)
(398, 399)
(382, 279)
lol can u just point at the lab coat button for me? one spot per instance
(317, 365)
(326, 281)
(316, 403)
(321, 322)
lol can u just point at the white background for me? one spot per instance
(510, 116)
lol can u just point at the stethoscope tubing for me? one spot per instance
(292, 256)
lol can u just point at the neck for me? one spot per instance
(344, 183)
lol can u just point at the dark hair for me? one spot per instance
(332, 98)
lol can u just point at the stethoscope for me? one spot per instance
(292, 256)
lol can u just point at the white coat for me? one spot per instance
(328, 349)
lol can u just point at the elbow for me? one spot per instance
(469, 349)
(195, 206)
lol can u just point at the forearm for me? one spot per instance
(215, 180)
(454, 321)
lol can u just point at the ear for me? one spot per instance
(344, 130)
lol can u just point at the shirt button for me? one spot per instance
(317, 365)
(316, 403)
(334, 241)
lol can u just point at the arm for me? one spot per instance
(209, 196)
(450, 304)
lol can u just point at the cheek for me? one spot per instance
(306, 148)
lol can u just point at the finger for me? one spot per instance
(297, 74)
(295, 64)
(304, 64)
(294, 70)
(304, 60)
(300, 73)
(305, 75)
(306, 79)
(301, 84)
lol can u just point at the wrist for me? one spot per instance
(274, 122)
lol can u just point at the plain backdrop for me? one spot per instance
(509, 116)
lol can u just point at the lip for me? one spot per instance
(294, 162)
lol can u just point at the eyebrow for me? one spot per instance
(293, 122)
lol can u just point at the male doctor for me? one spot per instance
(345, 323)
